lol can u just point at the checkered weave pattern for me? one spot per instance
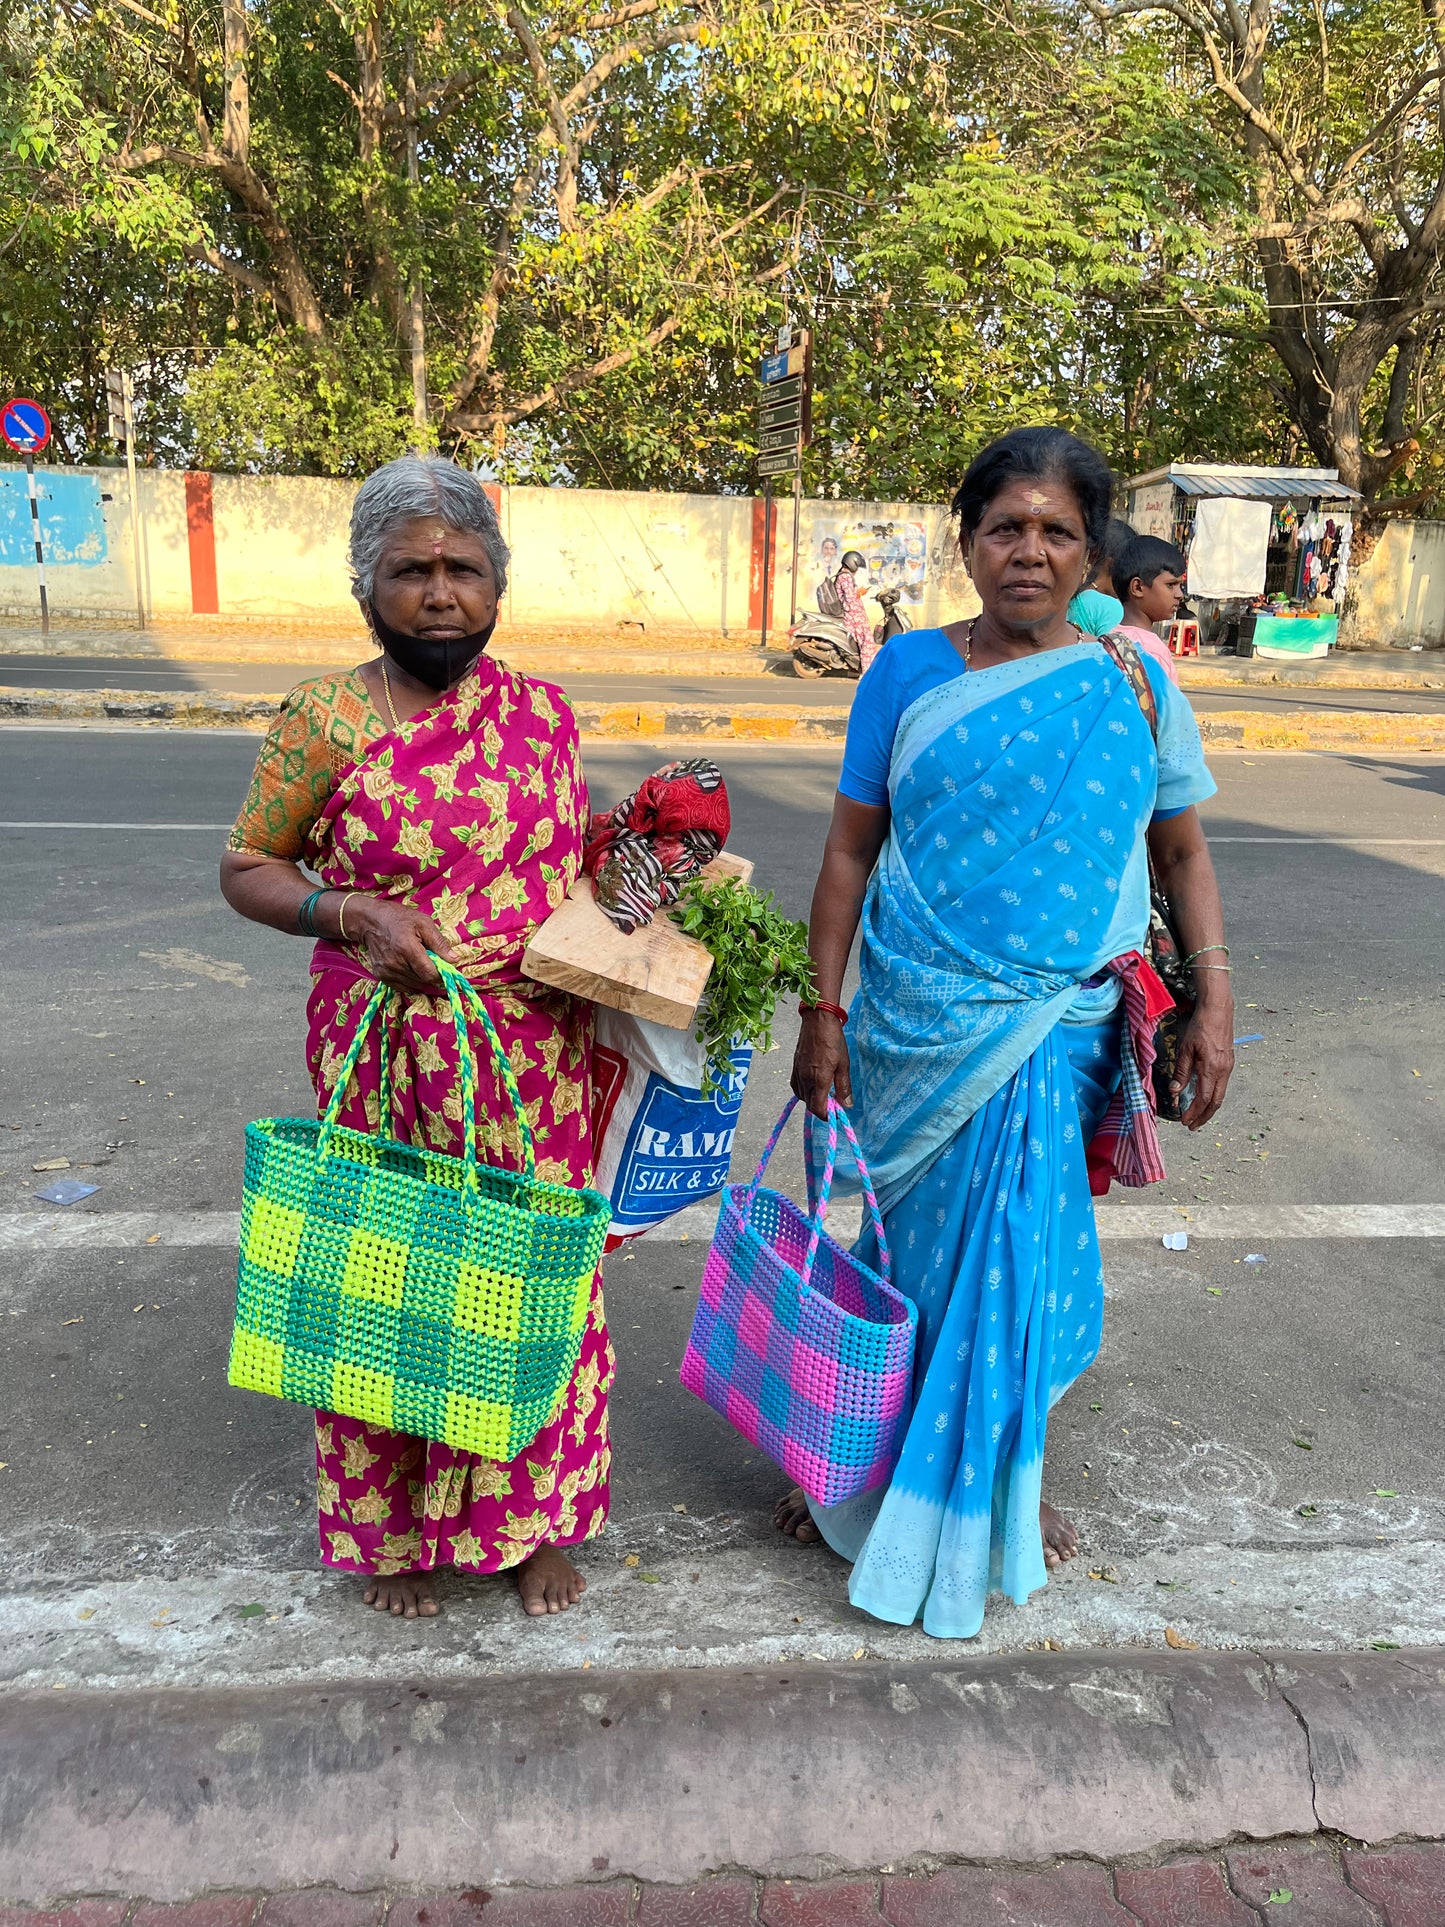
(415, 1290)
(797, 1343)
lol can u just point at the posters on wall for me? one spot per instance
(896, 554)
(1154, 510)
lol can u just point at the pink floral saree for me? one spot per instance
(475, 813)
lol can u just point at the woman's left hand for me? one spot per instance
(1206, 1054)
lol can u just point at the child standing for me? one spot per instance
(1149, 580)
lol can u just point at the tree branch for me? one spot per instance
(152, 19)
(565, 385)
(1340, 213)
(1388, 118)
(566, 196)
(234, 271)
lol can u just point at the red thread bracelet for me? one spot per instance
(833, 1010)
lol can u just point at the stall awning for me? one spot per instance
(1252, 484)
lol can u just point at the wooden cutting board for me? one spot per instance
(657, 972)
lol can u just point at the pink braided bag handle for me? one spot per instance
(836, 1114)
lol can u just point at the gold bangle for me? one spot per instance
(341, 914)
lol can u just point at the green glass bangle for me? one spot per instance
(305, 917)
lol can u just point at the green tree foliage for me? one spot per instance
(1338, 111)
(985, 217)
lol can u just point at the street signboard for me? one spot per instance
(783, 464)
(25, 425)
(115, 401)
(785, 416)
(775, 392)
(778, 367)
(771, 439)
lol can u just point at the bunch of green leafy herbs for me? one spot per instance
(757, 954)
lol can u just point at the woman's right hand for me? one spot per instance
(397, 941)
(820, 1063)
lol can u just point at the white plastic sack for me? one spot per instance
(658, 1143)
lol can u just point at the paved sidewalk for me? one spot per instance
(1315, 1883)
(623, 649)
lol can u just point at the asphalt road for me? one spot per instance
(778, 686)
(146, 1023)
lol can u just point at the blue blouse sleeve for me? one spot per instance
(878, 706)
(1184, 777)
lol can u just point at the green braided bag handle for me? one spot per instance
(459, 989)
(459, 993)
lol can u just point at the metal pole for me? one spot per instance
(39, 549)
(797, 506)
(767, 554)
(128, 403)
(417, 302)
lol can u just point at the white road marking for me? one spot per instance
(1118, 1223)
(1346, 842)
(1291, 842)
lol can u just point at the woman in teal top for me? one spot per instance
(1097, 610)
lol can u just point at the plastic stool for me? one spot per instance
(1183, 638)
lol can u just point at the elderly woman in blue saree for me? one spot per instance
(1005, 784)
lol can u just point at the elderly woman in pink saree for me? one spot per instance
(440, 801)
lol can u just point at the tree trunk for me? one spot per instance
(237, 124)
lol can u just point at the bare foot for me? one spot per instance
(548, 1582)
(405, 1595)
(1061, 1541)
(793, 1517)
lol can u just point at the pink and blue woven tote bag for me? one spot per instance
(802, 1347)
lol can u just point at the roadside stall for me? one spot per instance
(1268, 550)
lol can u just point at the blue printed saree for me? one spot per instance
(985, 1047)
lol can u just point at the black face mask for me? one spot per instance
(430, 661)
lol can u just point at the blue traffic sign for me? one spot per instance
(25, 425)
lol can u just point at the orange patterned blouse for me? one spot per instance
(323, 727)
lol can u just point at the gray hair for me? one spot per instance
(412, 486)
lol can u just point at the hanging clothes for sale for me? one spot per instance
(1311, 533)
(1339, 579)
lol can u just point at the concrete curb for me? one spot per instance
(743, 722)
(740, 722)
(1321, 730)
(549, 1781)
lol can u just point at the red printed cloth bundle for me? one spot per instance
(640, 854)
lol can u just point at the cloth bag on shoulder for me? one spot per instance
(1162, 948)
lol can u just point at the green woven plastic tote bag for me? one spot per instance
(426, 1293)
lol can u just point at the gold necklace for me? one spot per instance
(386, 687)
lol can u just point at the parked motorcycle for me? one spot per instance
(821, 643)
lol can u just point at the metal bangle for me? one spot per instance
(1228, 969)
(341, 913)
(1204, 950)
